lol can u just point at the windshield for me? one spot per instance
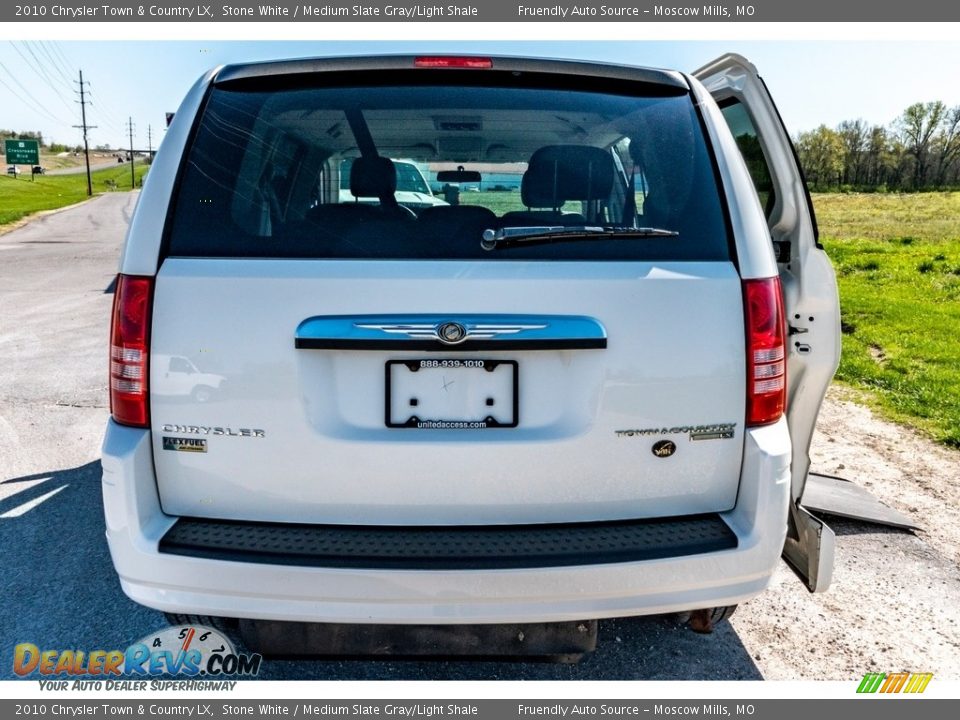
(417, 169)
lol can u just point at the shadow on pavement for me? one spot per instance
(60, 592)
(847, 526)
(59, 588)
(647, 648)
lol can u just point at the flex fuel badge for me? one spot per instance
(185, 444)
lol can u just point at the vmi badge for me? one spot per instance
(185, 444)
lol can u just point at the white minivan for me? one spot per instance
(587, 397)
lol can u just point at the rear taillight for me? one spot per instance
(766, 351)
(471, 63)
(129, 350)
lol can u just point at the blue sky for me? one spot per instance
(813, 82)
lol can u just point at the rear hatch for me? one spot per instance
(369, 363)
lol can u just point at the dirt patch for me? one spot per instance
(878, 355)
(904, 469)
(894, 604)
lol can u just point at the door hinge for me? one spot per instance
(781, 249)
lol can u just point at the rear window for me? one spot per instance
(418, 169)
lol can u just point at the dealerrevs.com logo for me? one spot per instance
(192, 651)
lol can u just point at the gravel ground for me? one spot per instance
(895, 600)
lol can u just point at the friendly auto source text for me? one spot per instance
(618, 11)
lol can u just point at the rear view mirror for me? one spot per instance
(458, 176)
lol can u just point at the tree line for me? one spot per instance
(920, 150)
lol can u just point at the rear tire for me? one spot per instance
(719, 614)
(224, 624)
(706, 619)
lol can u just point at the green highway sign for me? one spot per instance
(22, 152)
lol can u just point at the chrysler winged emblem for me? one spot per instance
(451, 333)
(462, 331)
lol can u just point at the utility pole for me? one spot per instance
(133, 182)
(85, 127)
(149, 142)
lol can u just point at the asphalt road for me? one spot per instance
(95, 164)
(59, 589)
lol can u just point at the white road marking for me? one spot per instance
(28, 506)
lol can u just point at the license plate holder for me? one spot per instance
(452, 394)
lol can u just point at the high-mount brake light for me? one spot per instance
(439, 61)
(766, 351)
(130, 350)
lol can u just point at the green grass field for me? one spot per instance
(897, 259)
(20, 197)
(499, 201)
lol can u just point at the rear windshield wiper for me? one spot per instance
(510, 236)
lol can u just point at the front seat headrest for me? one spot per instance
(373, 177)
(557, 173)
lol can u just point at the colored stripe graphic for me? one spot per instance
(894, 682)
(871, 682)
(925, 679)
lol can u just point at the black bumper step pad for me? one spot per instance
(488, 547)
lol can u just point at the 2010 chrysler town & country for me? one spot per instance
(586, 390)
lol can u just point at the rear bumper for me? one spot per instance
(231, 587)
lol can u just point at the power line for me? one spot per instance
(59, 51)
(41, 73)
(95, 103)
(55, 65)
(33, 100)
(130, 128)
(64, 67)
(85, 127)
(44, 65)
(108, 109)
(92, 99)
(16, 94)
